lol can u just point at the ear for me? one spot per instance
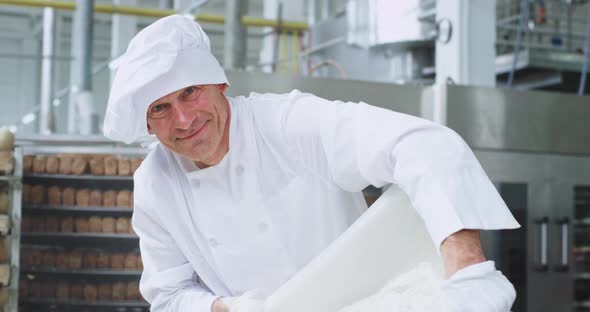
(150, 131)
(222, 87)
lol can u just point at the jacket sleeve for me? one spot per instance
(356, 144)
(168, 281)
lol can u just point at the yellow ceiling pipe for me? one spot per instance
(147, 12)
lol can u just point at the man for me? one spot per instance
(240, 193)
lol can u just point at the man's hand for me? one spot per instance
(473, 283)
(219, 306)
(460, 250)
(479, 287)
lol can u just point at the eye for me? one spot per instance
(190, 93)
(158, 110)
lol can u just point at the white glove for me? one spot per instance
(251, 301)
(479, 287)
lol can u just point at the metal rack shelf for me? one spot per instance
(83, 272)
(81, 303)
(81, 239)
(582, 276)
(76, 209)
(10, 178)
(14, 182)
(582, 304)
(85, 177)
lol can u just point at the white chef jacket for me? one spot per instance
(289, 185)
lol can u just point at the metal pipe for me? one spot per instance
(311, 11)
(570, 12)
(157, 13)
(524, 16)
(234, 53)
(81, 118)
(84, 14)
(584, 72)
(45, 118)
(325, 9)
(277, 37)
(542, 31)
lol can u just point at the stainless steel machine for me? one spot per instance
(535, 146)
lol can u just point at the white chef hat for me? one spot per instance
(168, 55)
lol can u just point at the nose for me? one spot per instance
(183, 116)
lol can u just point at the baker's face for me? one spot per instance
(193, 122)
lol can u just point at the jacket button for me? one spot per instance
(196, 183)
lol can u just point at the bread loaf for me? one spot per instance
(139, 263)
(37, 224)
(62, 260)
(65, 165)
(122, 225)
(132, 291)
(90, 260)
(51, 224)
(105, 291)
(103, 261)
(66, 225)
(124, 167)
(23, 288)
(95, 224)
(51, 165)
(117, 261)
(130, 261)
(81, 225)
(97, 166)
(26, 193)
(63, 290)
(68, 196)
(79, 165)
(75, 260)
(47, 290)
(131, 230)
(4, 202)
(39, 164)
(26, 259)
(119, 291)
(6, 162)
(28, 164)
(49, 259)
(25, 225)
(6, 139)
(110, 166)
(135, 163)
(4, 296)
(108, 225)
(109, 198)
(38, 194)
(82, 197)
(90, 292)
(4, 250)
(131, 200)
(76, 291)
(36, 258)
(123, 198)
(54, 195)
(95, 198)
(34, 289)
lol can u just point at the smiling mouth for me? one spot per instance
(193, 134)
